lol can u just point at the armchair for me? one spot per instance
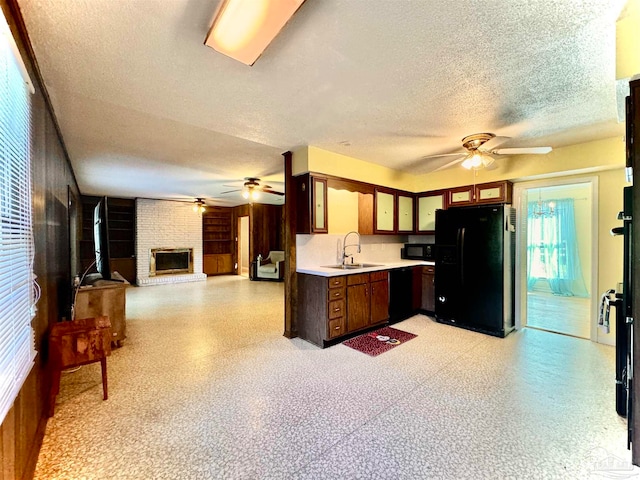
(272, 267)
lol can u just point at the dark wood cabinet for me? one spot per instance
(217, 240)
(405, 212)
(416, 294)
(311, 196)
(358, 307)
(379, 297)
(330, 308)
(428, 289)
(367, 300)
(481, 194)
(217, 263)
(426, 205)
(321, 314)
(494, 192)
(461, 196)
(384, 210)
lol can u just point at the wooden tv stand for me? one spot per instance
(105, 298)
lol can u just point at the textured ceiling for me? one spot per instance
(147, 110)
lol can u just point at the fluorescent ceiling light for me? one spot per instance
(243, 29)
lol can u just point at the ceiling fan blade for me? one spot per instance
(231, 191)
(461, 156)
(520, 151)
(268, 190)
(445, 155)
(494, 142)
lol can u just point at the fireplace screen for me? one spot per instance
(165, 261)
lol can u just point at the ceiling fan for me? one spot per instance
(479, 154)
(251, 189)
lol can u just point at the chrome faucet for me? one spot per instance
(344, 247)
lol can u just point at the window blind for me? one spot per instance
(17, 298)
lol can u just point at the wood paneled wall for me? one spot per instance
(22, 431)
(266, 228)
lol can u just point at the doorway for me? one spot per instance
(243, 246)
(557, 256)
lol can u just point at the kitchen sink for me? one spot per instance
(352, 266)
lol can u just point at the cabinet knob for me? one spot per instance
(336, 309)
(336, 328)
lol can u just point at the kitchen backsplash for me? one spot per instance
(316, 250)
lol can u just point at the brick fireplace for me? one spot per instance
(174, 230)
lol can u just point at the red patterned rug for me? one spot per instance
(379, 341)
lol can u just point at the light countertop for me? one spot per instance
(335, 272)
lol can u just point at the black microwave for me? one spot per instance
(418, 251)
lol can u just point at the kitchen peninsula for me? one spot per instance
(336, 302)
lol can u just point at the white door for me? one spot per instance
(557, 256)
(243, 245)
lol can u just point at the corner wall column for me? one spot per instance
(290, 275)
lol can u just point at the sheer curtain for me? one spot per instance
(552, 248)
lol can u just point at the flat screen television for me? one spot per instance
(101, 238)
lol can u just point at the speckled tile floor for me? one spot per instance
(207, 387)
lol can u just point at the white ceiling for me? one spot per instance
(147, 110)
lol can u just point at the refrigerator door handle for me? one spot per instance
(461, 232)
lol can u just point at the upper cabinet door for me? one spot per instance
(427, 206)
(405, 213)
(385, 207)
(319, 206)
(461, 196)
(495, 192)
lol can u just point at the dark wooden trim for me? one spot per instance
(340, 183)
(635, 274)
(463, 188)
(351, 185)
(400, 193)
(290, 275)
(393, 193)
(433, 193)
(314, 191)
(506, 192)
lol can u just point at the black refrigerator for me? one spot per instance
(475, 259)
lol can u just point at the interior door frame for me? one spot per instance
(519, 201)
(241, 241)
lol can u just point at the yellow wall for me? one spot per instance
(610, 249)
(581, 158)
(313, 159)
(342, 211)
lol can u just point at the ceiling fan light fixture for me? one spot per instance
(255, 195)
(243, 29)
(245, 194)
(199, 206)
(477, 160)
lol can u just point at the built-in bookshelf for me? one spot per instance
(217, 240)
(121, 222)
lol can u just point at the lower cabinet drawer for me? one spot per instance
(336, 294)
(336, 309)
(336, 327)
